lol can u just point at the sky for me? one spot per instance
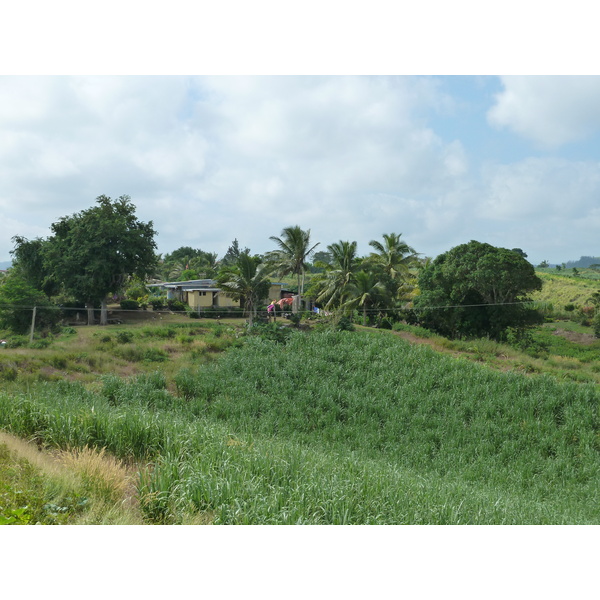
(444, 151)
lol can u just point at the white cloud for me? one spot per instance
(549, 110)
(547, 206)
(216, 158)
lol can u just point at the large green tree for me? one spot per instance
(292, 255)
(93, 252)
(28, 262)
(476, 290)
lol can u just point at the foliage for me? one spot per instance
(17, 299)
(157, 303)
(187, 263)
(366, 291)
(91, 253)
(331, 288)
(129, 305)
(136, 290)
(28, 262)
(476, 290)
(176, 305)
(246, 282)
(596, 325)
(26, 498)
(124, 337)
(233, 253)
(564, 290)
(293, 253)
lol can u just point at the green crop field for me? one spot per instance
(317, 427)
(561, 289)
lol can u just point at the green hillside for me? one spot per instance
(560, 290)
(335, 427)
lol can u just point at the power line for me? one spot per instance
(393, 309)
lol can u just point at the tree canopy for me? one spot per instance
(245, 281)
(476, 289)
(293, 253)
(91, 253)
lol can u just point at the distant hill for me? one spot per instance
(5, 265)
(584, 262)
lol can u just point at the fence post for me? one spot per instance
(32, 324)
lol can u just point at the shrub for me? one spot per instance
(16, 341)
(129, 305)
(157, 303)
(8, 372)
(155, 355)
(176, 305)
(596, 325)
(17, 297)
(40, 344)
(124, 337)
(345, 324)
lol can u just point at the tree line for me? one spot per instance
(473, 289)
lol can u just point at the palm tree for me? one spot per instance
(338, 275)
(246, 281)
(394, 255)
(366, 290)
(292, 255)
(396, 262)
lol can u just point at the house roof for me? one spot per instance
(194, 285)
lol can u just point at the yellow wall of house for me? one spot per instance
(197, 300)
(223, 300)
(274, 293)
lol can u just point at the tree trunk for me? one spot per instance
(90, 312)
(104, 312)
(298, 307)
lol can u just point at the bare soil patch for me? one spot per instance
(573, 336)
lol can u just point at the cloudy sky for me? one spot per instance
(512, 161)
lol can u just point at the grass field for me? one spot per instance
(318, 427)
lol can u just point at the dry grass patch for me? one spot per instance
(90, 472)
(106, 476)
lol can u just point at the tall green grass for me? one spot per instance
(337, 427)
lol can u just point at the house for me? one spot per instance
(205, 293)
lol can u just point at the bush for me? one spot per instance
(129, 305)
(155, 355)
(16, 299)
(40, 344)
(157, 303)
(345, 324)
(176, 305)
(124, 337)
(596, 325)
